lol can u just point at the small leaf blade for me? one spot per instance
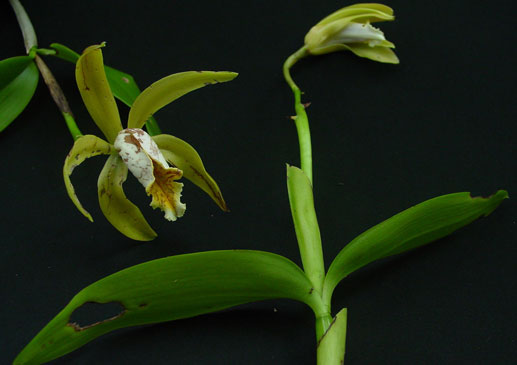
(18, 80)
(414, 227)
(172, 288)
(306, 226)
(65, 53)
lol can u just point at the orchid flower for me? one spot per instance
(157, 162)
(350, 29)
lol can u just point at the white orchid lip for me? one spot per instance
(136, 148)
(147, 163)
(356, 33)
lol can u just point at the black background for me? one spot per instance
(384, 138)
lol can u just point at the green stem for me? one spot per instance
(59, 97)
(29, 35)
(323, 322)
(298, 194)
(301, 121)
(31, 44)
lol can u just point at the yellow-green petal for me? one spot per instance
(118, 210)
(84, 147)
(170, 88)
(96, 93)
(184, 156)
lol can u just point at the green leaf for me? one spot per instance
(18, 81)
(118, 210)
(170, 88)
(185, 157)
(414, 227)
(172, 288)
(65, 53)
(84, 147)
(331, 347)
(306, 225)
(125, 89)
(123, 85)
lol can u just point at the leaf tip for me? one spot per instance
(494, 200)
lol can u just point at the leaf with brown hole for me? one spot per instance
(172, 288)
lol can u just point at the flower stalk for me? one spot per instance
(31, 44)
(59, 97)
(301, 121)
(346, 29)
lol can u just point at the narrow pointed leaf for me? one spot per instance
(125, 89)
(306, 225)
(414, 227)
(184, 156)
(170, 88)
(123, 85)
(29, 35)
(18, 81)
(172, 288)
(96, 93)
(331, 347)
(118, 210)
(65, 53)
(84, 147)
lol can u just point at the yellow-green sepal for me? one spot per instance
(118, 210)
(83, 148)
(381, 53)
(185, 157)
(96, 93)
(170, 88)
(367, 12)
